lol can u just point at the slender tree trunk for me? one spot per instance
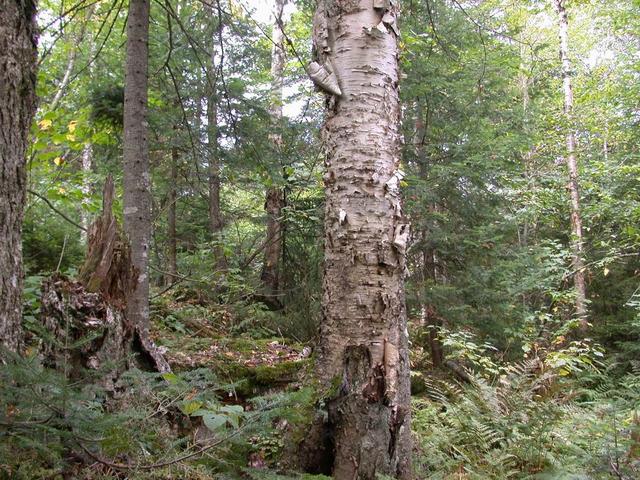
(18, 66)
(137, 196)
(274, 201)
(172, 256)
(87, 155)
(363, 332)
(215, 214)
(572, 166)
(524, 80)
(87, 167)
(73, 55)
(430, 262)
(216, 223)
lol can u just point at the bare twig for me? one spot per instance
(46, 200)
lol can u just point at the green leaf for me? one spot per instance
(188, 408)
(214, 421)
(171, 378)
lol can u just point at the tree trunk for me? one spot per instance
(18, 65)
(215, 215)
(572, 166)
(73, 55)
(431, 268)
(137, 201)
(364, 330)
(87, 167)
(216, 222)
(87, 154)
(274, 196)
(172, 243)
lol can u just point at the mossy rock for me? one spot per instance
(283, 372)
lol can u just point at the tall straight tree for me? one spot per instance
(137, 196)
(172, 241)
(18, 66)
(572, 167)
(216, 223)
(275, 197)
(364, 330)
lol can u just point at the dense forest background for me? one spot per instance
(507, 381)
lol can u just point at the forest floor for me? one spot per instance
(197, 338)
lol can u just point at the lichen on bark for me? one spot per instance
(18, 67)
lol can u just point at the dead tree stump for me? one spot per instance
(86, 319)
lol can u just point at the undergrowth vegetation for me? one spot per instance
(561, 413)
(558, 414)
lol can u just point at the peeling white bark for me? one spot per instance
(363, 332)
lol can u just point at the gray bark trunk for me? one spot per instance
(364, 331)
(431, 269)
(216, 222)
(172, 243)
(18, 65)
(572, 166)
(274, 195)
(137, 201)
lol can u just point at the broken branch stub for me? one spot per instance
(108, 268)
(324, 78)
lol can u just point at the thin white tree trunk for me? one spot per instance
(87, 167)
(73, 55)
(577, 238)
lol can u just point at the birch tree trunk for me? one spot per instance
(87, 154)
(137, 201)
(363, 332)
(572, 166)
(274, 196)
(18, 65)
(77, 39)
(87, 167)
